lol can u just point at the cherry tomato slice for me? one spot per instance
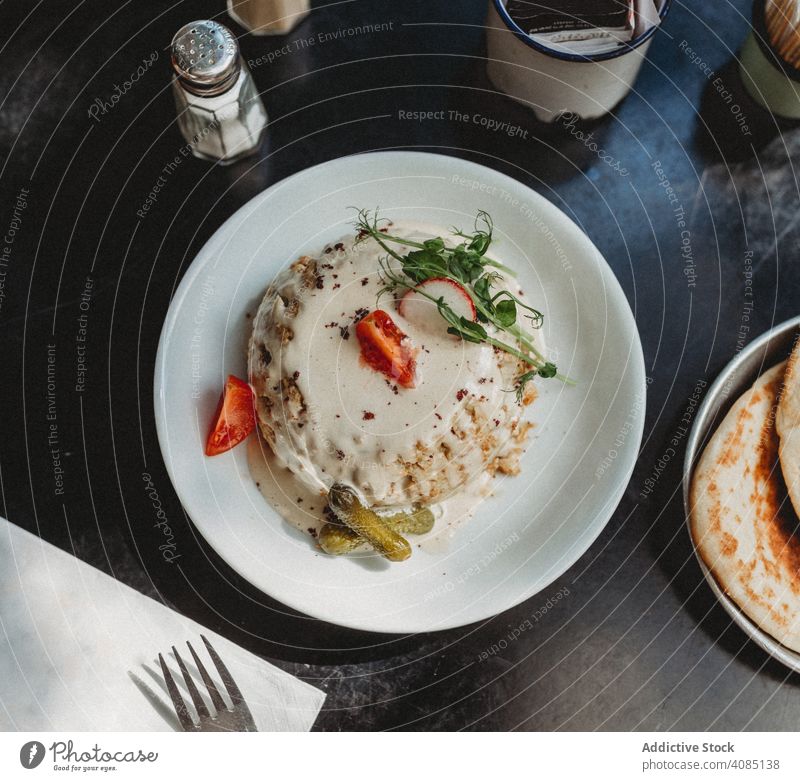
(235, 417)
(385, 348)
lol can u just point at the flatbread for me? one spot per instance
(787, 424)
(742, 521)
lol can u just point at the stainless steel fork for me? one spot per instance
(224, 719)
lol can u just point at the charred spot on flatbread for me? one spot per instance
(742, 521)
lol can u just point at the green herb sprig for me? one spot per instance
(467, 265)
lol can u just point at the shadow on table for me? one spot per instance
(202, 586)
(731, 126)
(500, 132)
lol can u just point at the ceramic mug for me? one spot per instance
(771, 82)
(555, 82)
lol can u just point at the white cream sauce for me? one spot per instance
(303, 508)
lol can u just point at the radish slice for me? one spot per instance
(421, 310)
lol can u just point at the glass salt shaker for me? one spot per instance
(220, 113)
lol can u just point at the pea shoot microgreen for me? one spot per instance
(480, 276)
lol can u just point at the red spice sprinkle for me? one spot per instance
(482, 380)
(438, 415)
(364, 281)
(340, 454)
(360, 314)
(339, 246)
(344, 331)
(336, 286)
(368, 415)
(460, 395)
(328, 250)
(320, 282)
(496, 422)
(295, 375)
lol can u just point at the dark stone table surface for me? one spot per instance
(639, 643)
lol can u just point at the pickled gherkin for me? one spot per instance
(350, 511)
(337, 539)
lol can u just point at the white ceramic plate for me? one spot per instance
(537, 524)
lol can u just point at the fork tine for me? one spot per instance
(227, 678)
(233, 690)
(177, 700)
(213, 692)
(202, 710)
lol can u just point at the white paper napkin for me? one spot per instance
(79, 651)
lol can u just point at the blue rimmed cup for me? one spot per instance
(553, 82)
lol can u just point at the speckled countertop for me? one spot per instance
(635, 640)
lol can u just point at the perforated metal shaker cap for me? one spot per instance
(205, 57)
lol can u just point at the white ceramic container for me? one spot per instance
(554, 82)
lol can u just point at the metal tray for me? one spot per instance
(769, 349)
